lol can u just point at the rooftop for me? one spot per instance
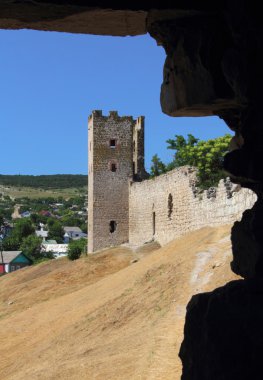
(72, 229)
(9, 256)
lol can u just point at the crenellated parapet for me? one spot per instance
(113, 115)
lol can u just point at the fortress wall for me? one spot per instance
(109, 189)
(185, 209)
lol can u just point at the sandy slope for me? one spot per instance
(105, 317)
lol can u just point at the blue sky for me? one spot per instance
(50, 82)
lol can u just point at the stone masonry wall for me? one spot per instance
(109, 190)
(180, 208)
(138, 149)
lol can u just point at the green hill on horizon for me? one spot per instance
(54, 181)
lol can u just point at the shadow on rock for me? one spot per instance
(223, 334)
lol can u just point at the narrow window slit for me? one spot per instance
(113, 226)
(113, 143)
(113, 167)
(170, 205)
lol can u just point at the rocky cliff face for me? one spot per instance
(223, 333)
(213, 67)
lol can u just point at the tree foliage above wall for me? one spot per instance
(157, 167)
(206, 156)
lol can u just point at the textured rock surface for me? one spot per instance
(247, 243)
(224, 333)
(73, 17)
(194, 83)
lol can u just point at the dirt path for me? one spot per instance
(16, 214)
(105, 318)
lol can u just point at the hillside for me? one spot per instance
(43, 186)
(56, 181)
(37, 193)
(115, 315)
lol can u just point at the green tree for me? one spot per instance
(206, 156)
(84, 227)
(76, 248)
(1, 218)
(55, 230)
(71, 221)
(22, 229)
(11, 243)
(31, 245)
(35, 218)
(157, 167)
(180, 145)
(6, 212)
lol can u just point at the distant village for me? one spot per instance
(33, 230)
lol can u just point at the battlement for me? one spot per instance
(97, 114)
(139, 123)
(113, 114)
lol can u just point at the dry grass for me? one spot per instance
(104, 318)
(34, 193)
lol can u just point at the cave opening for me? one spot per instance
(206, 53)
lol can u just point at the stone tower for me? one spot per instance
(116, 157)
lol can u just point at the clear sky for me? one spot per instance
(50, 82)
